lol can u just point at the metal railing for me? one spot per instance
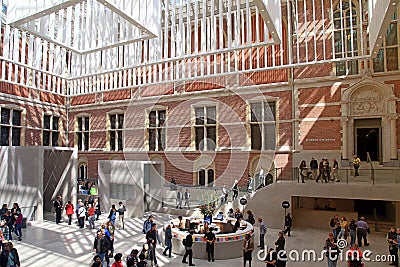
(372, 168)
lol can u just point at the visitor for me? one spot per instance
(91, 216)
(335, 170)
(271, 258)
(147, 224)
(248, 247)
(332, 250)
(314, 168)
(321, 171)
(97, 208)
(9, 256)
(187, 198)
(113, 214)
(188, 243)
(3, 211)
(100, 245)
(237, 225)
(354, 257)
(238, 214)
(353, 231)
(230, 213)
(18, 225)
(168, 241)
(5, 236)
(173, 184)
(96, 261)
(224, 196)
(362, 232)
(69, 211)
(58, 206)
(152, 237)
(179, 198)
(81, 215)
(391, 239)
(335, 225)
(132, 259)
(250, 217)
(142, 261)
(235, 189)
(263, 231)
(118, 260)
(356, 165)
(288, 224)
(303, 170)
(121, 212)
(344, 228)
(210, 240)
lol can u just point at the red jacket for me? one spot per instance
(117, 264)
(69, 208)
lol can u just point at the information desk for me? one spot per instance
(226, 246)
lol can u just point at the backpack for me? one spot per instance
(184, 242)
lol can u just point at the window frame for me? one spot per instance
(160, 132)
(118, 131)
(205, 127)
(83, 132)
(10, 125)
(207, 182)
(263, 124)
(51, 130)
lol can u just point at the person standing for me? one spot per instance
(303, 171)
(97, 208)
(81, 215)
(69, 210)
(356, 165)
(148, 223)
(353, 230)
(152, 237)
(331, 250)
(235, 189)
(271, 258)
(188, 243)
(362, 231)
(100, 245)
(117, 260)
(179, 198)
(91, 217)
(58, 206)
(168, 241)
(335, 170)
(18, 226)
(250, 217)
(113, 214)
(9, 256)
(248, 247)
(288, 224)
(263, 231)
(224, 196)
(314, 168)
(132, 259)
(210, 240)
(335, 226)
(187, 198)
(121, 212)
(3, 211)
(321, 171)
(391, 239)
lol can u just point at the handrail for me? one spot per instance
(372, 168)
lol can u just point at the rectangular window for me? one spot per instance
(156, 130)
(82, 133)
(262, 126)
(206, 128)
(10, 124)
(115, 132)
(50, 130)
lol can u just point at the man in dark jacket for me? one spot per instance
(314, 168)
(152, 237)
(101, 245)
(9, 254)
(58, 206)
(288, 224)
(188, 248)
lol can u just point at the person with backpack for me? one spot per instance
(188, 243)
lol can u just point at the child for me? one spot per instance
(142, 262)
(118, 260)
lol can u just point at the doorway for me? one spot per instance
(368, 139)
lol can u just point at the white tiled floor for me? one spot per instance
(68, 246)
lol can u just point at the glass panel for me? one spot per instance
(86, 140)
(161, 118)
(16, 136)
(46, 138)
(199, 116)
(80, 124)
(378, 62)
(255, 137)
(152, 119)
(391, 35)
(54, 138)
(353, 67)
(55, 123)
(210, 176)
(5, 116)
(16, 118)
(340, 68)
(161, 139)
(269, 111)
(152, 139)
(256, 112)
(112, 140)
(80, 141)
(81, 172)
(86, 123)
(120, 121)
(113, 120)
(269, 136)
(120, 141)
(5, 133)
(46, 122)
(202, 177)
(199, 131)
(211, 137)
(392, 58)
(211, 115)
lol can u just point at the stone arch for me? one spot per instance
(206, 163)
(369, 99)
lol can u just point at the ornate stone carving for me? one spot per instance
(366, 101)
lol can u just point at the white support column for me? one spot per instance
(393, 136)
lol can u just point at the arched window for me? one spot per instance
(205, 177)
(346, 37)
(82, 171)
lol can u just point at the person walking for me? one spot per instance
(314, 168)
(9, 256)
(81, 215)
(391, 239)
(152, 237)
(362, 232)
(303, 171)
(168, 241)
(101, 245)
(288, 224)
(113, 214)
(210, 240)
(263, 231)
(91, 216)
(121, 211)
(335, 170)
(356, 165)
(18, 226)
(58, 206)
(235, 189)
(332, 250)
(248, 247)
(179, 198)
(69, 210)
(353, 231)
(188, 243)
(187, 198)
(147, 224)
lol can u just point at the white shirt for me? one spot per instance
(82, 211)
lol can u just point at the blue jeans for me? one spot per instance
(352, 237)
(332, 263)
(17, 230)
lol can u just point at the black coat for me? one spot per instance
(4, 257)
(189, 240)
(104, 244)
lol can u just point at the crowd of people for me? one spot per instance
(10, 223)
